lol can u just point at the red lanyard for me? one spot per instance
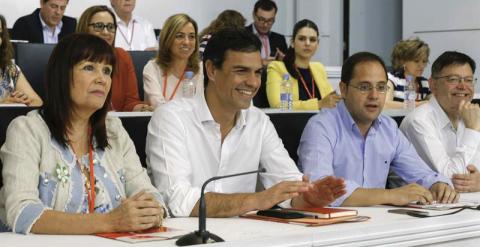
(176, 87)
(310, 94)
(91, 194)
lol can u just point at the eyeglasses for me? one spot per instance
(455, 79)
(100, 26)
(265, 21)
(367, 87)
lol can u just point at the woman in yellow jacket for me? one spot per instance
(310, 87)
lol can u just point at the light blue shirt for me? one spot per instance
(49, 36)
(332, 144)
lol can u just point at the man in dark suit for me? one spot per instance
(273, 44)
(46, 24)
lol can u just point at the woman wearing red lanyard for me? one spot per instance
(99, 20)
(178, 53)
(310, 87)
(68, 168)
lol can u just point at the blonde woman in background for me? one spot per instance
(178, 53)
(409, 58)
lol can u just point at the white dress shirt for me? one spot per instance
(153, 83)
(49, 36)
(443, 148)
(184, 148)
(136, 35)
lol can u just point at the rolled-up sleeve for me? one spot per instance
(168, 163)
(21, 157)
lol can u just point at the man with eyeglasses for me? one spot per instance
(446, 130)
(356, 142)
(47, 25)
(133, 32)
(274, 45)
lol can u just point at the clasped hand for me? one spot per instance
(139, 212)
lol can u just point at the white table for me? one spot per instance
(383, 229)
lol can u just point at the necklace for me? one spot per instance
(90, 175)
(310, 94)
(124, 36)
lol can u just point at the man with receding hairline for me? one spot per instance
(46, 25)
(133, 32)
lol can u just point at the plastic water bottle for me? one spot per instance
(410, 94)
(286, 93)
(189, 86)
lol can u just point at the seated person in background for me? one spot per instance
(409, 58)
(45, 25)
(68, 168)
(310, 87)
(178, 53)
(274, 45)
(355, 142)
(228, 18)
(14, 87)
(446, 130)
(100, 21)
(218, 132)
(133, 32)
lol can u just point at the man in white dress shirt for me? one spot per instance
(446, 130)
(133, 32)
(219, 132)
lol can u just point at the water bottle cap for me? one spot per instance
(286, 77)
(189, 74)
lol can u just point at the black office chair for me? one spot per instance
(260, 99)
(140, 59)
(32, 60)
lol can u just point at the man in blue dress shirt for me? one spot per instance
(355, 142)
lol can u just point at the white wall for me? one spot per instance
(444, 25)
(375, 26)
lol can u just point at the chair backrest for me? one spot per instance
(32, 60)
(260, 99)
(7, 114)
(140, 59)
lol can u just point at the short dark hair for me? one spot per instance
(57, 107)
(451, 58)
(234, 39)
(358, 58)
(266, 5)
(6, 49)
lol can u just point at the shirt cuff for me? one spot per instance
(27, 217)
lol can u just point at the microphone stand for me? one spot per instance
(202, 236)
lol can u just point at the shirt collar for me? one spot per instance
(205, 115)
(439, 114)
(254, 28)
(45, 26)
(347, 118)
(120, 21)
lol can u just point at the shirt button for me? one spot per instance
(45, 181)
(122, 178)
(118, 197)
(105, 175)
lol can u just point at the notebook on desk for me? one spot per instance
(445, 206)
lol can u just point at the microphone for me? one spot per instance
(202, 236)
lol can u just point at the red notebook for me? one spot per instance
(324, 213)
